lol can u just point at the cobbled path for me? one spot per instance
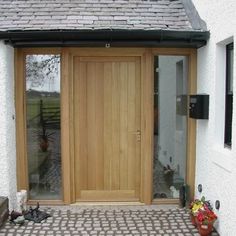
(113, 220)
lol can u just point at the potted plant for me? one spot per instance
(205, 220)
(44, 139)
(202, 216)
(168, 175)
(194, 207)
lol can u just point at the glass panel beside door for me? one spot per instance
(170, 125)
(43, 126)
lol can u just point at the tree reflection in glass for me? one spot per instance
(43, 126)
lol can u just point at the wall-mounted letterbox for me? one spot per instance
(199, 106)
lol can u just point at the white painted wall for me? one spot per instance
(172, 142)
(216, 165)
(167, 108)
(7, 125)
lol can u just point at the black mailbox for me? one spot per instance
(199, 106)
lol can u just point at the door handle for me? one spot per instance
(138, 135)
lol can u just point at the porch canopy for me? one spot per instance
(126, 23)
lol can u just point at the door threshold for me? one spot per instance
(165, 201)
(107, 204)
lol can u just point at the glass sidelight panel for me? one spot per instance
(170, 125)
(43, 126)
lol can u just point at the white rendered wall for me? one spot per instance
(7, 125)
(216, 165)
(167, 110)
(172, 142)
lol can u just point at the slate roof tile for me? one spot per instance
(94, 14)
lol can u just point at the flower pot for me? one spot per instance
(193, 220)
(44, 145)
(205, 230)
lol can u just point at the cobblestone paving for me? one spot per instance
(113, 220)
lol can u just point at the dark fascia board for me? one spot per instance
(116, 38)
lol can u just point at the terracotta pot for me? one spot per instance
(193, 220)
(44, 145)
(205, 230)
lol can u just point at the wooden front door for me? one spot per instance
(107, 124)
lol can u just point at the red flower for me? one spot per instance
(203, 211)
(206, 216)
(200, 217)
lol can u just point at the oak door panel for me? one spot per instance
(107, 128)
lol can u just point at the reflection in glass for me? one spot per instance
(170, 125)
(43, 126)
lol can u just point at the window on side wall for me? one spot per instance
(229, 94)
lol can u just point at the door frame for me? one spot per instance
(119, 52)
(191, 54)
(67, 145)
(20, 112)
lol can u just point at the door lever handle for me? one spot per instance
(138, 135)
(137, 132)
